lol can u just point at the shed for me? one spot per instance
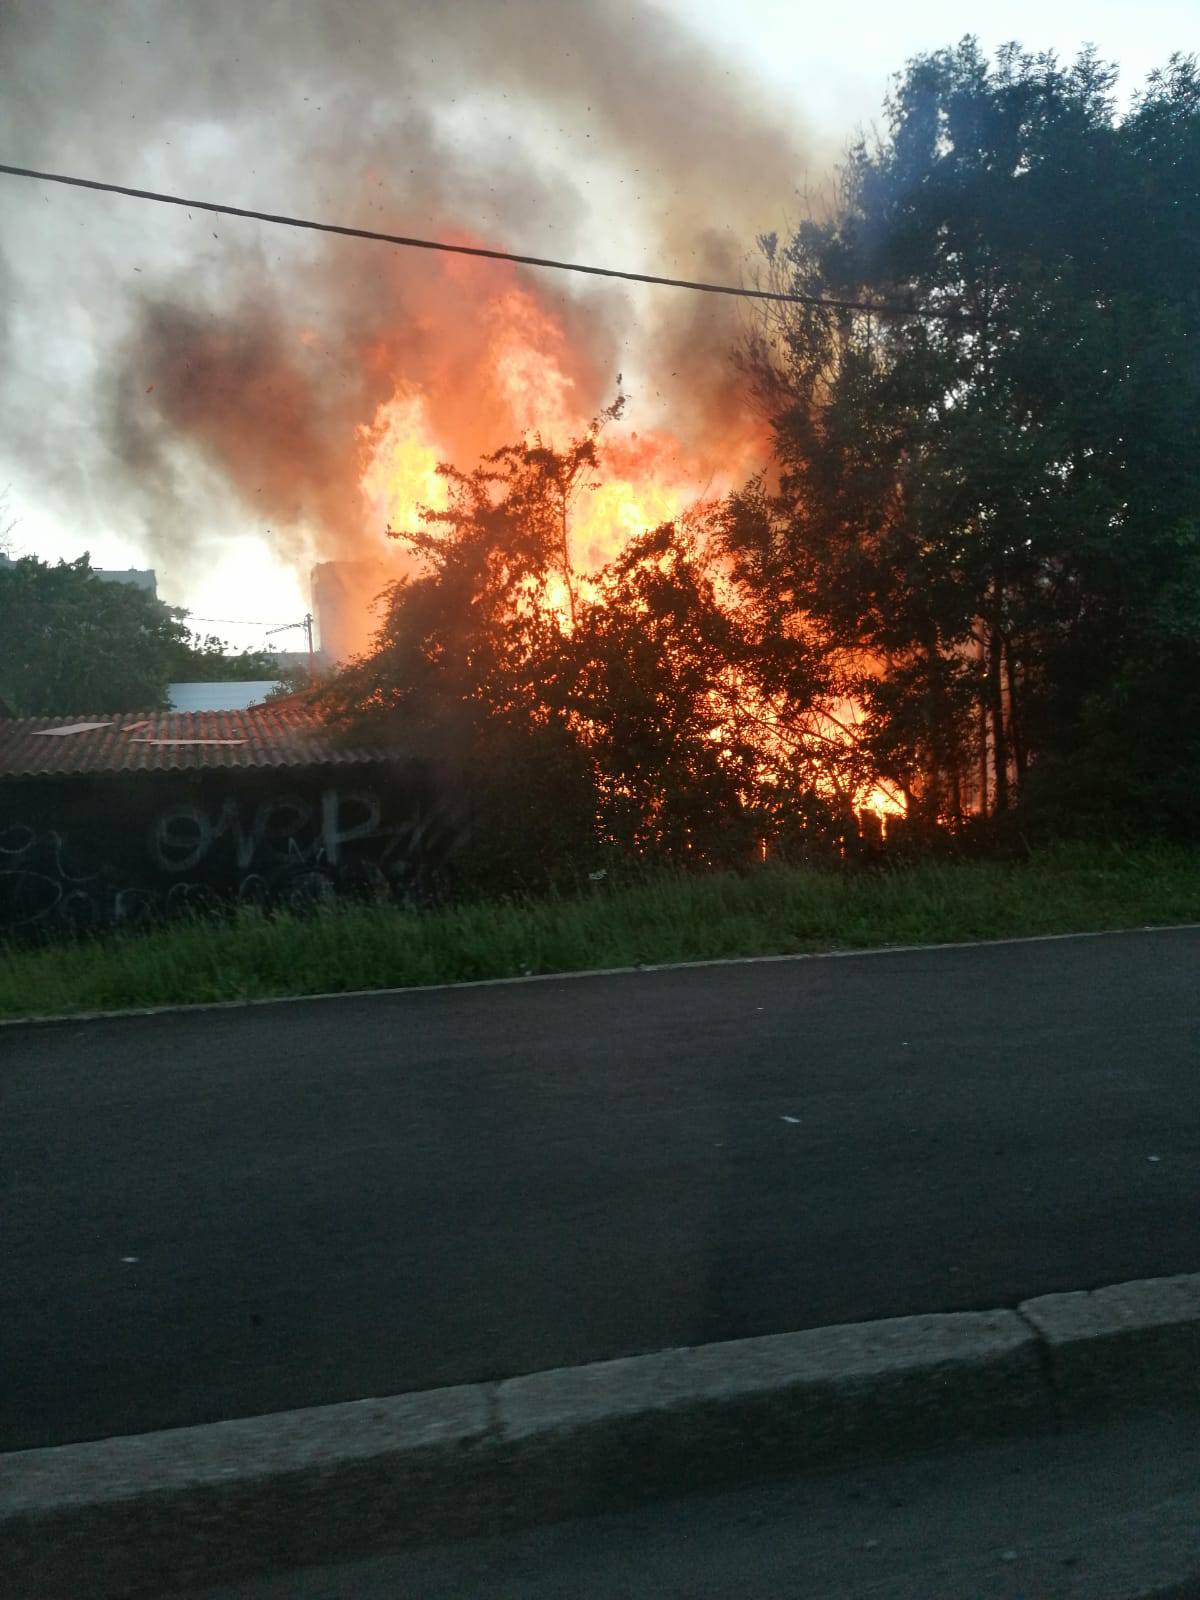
(107, 820)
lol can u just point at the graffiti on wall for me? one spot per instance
(37, 880)
(281, 850)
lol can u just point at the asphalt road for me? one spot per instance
(1105, 1513)
(216, 1213)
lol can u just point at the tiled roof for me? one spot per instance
(166, 741)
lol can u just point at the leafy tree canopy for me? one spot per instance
(990, 508)
(206, 660)
(71, 640)
(622, 710)
(972, 573)
(74, 642)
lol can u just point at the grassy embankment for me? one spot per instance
(773, 910)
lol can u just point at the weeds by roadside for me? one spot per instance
(668, 917)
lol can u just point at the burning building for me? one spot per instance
(344, 603)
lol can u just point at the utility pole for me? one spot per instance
(312, 660)
(306, 622)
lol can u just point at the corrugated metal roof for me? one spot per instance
(282, 735)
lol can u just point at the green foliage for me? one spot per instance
(981, 533)
(662, 916)
(206, 660)
(467, 664)
(591, 719)
(73, 642)
(651, 662)
(988, 509)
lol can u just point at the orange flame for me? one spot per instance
(523, 387)
(401, 473)
(643, 480)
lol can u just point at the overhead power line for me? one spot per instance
(696, 285)
(243, 622)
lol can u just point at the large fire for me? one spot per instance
(644, 479)
(524, 380)
(400, 475)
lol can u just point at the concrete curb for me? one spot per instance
(143, 1515)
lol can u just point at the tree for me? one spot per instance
(204, 659)
(988, 503)
(73, 642)
(672, 693)
(651, 694)
(626, 712)
(467, 665)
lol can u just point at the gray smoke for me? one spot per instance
(171, 371)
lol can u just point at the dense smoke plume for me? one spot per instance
(163, 361)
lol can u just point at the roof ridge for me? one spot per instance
(256, 736)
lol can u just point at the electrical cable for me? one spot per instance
(698, 286)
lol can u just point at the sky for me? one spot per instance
(651, 134)
(836, 60)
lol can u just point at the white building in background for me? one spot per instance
(144, 578)
(219, 696)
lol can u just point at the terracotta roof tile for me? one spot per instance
(169, 741)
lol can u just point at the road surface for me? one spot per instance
(224, 1212)
(1098, 1514)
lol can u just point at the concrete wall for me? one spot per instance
(115, 850)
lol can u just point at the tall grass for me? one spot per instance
(668, 917)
